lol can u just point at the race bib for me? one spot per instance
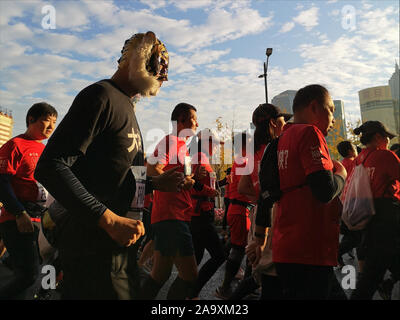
(139, 172)
(42, 193)
(187, 167)
(213, 179)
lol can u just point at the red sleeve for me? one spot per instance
(392, 171)
(10, 158)
(207, 191)
(313, 150)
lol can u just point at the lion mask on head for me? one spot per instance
(147, 60)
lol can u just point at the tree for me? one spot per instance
(225, 156)
(334, 138)
(352, 137)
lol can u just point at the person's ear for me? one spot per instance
(31, 120)
(314, 106)
(272, 123)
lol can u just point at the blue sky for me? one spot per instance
(217, 50)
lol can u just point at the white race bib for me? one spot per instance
(213, 179)
(139, 172)
(42, 193)
(187, 167)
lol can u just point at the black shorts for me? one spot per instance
(172, 237)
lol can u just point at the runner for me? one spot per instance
(306, 226)
(204, 234)
(237, 218)
(269, 121)
(23, 197)
(351, 239)
(382, 234)
(88, 167)
(170, 216)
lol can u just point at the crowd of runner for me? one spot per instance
(114, 223)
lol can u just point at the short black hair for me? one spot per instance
(307, 94)
(344, 148)
(181, 112)
(39, 110)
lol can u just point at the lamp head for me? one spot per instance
(268, 52)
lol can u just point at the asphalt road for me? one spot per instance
(206, 294)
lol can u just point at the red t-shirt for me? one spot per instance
(239, 168)
(171, 152)
(201, 159)
(18, 158)
(306, 231)
(348, 165)
(383, 167)
(148, 199)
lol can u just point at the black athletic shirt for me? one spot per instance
(86, 163)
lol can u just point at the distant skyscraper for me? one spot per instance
(376, 103)
(340, 116)
(284, 100)
(394, 84)
(6, 125)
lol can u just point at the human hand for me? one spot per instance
(169, 181)
(228, 178)
(253, 251)
(24, 223)
(188, 182)
(122, 230)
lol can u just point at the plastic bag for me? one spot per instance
(358, 203)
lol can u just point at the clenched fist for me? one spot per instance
(122, 230)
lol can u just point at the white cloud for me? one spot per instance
(54, 66)
(287, 27)
(154, 4)
(71, 15)
(239, 66)
(308, 18)
(192, 4)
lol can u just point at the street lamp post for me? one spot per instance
(268, 53)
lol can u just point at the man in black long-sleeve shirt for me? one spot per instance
(306, 225)
(88, 166)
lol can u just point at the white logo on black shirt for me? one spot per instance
(136, 142)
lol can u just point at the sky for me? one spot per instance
(50, 50)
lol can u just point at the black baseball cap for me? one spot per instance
(268, 111)
(371, 127)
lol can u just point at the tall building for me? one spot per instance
(6, 125)
(284, 100)
(340, 117)
(394, 84)
(376, 103)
